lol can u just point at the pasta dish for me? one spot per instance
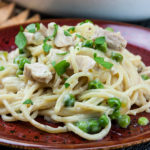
(82, 76)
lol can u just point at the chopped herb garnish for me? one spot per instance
(109, 29)
(67, 85)
(117, 57)
(61, 67)
(65, 53)
(145, 77)
(101, 61)
(2, 68)
(46, 47)
(21, 28)
(80, 36)
(88, 43)
(100, 44)
(37, 26)
(86, 21)
(20, 40)
(66, 33)
(65, 79)
(28, 101)
(55, 30)
(71, 29)
(32, 28)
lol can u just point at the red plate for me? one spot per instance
(22, 134)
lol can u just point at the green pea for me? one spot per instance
(19, 72)
(22, 62)
(83, 125)
(95, 84)
(17, 59)
(124, 121)
(143, 121)
(2, 68)
(69, 100)
(93, 126)
(88, 43)
(116, 56)
(103, 121)
(114, 103)
(145, 77)
(115, 115)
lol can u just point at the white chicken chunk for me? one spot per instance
(43, 30)
(53, 55)
(38, 72)
(61, 40)
(34, 38)
(114, 39)
(12, 84)
(84, 62)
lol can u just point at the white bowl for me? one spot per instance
(127, 10)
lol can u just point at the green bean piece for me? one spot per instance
(103, 121)
(95, 84)
(114, 103)
(83, 125)
(143, 121)
(93, 126)
(124, 121)
(115, 115)
(117, 57)
(69, 100)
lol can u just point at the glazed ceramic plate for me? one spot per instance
(23, 135)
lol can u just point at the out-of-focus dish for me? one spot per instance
(82, 76)
(102, 9)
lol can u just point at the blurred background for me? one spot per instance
(20, 11)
